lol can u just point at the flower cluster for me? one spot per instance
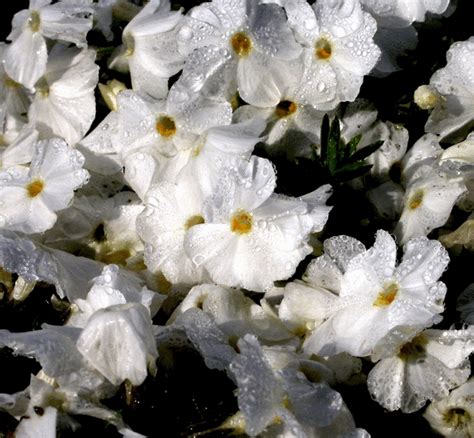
(160, 223)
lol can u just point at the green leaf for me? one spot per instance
(363, 153)
(351, 171)
(352, 145)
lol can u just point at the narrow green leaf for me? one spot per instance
(352, 145)
(363, 153)
(351, 171)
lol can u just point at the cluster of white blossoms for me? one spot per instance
(167, 205)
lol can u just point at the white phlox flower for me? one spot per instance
(292, 126)
(399, 13)
(14, 100)
(430, 192)
(101, 147)
(118, 341)
(454, 106)
(217, 148)
(458, 161)
(171, 210)
(21, 150)
(64, 103)
(282, 401)
(338, 49)
(395, 33)
(150, 131)
(376, 297)
(103, 227)
(453, 417)
(26, 57)
(150, 48)
(253, 40)
(234, 313)
(425, 368)
(250, 237)
(65, 383)
(109, 289)
(30, 197)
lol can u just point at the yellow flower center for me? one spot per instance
(193, 220)
(42, 88)
(241, 222)
(414, 348)
(34, 21)
(165, 126)
(386, 297)
(323, 49)
(458, 418)
(129, 44)
(10, 83)
(241, 44)
(285, 108)
(416, 200)
(34, 188)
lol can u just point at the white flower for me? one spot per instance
(339, 49)
(376, 297)
(453, 417)
(430, 192)
(171, 210)
(21, 150)
(14, 100)
(109, 289)
(118, 341)
(150, 48)
(104, 226)
(425, 368)
(30, 197)
(234, 313)
(26, 57)
(251, 237)
(276, 398)
(64, 104)
(69, 274)
(455, 82)
(251, 40)
(401, 13)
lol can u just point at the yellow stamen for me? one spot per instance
(241, 44)
(241, 222)
(416, 200)
(165, 126)
(386, 297)
(285, 108)
(323, 49)
(193, 220)
(458, 418)
(10, 83)
(34, 21)
(34, 188)
(414, 348)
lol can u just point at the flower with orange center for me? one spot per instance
(285, 108)
(323, 49)
(386, 297)
(34, 188)
(241, 44)
(165, 126)
(416, 200)
(241, 222)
